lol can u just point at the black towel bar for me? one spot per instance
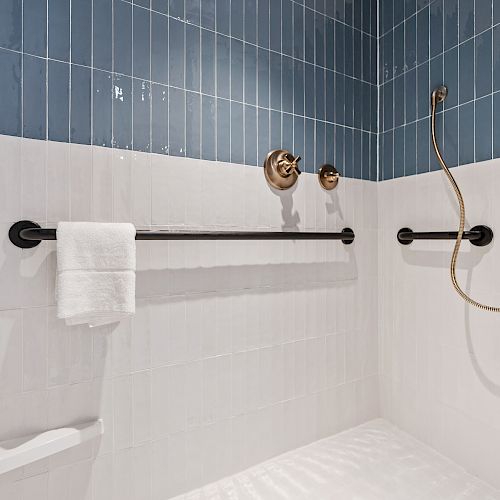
(27, 234)
(479, 236)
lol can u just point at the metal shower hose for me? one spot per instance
(438, 96)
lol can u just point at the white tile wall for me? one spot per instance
(440, 357)
(238, 351)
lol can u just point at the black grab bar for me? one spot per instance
(479, 236)
(27, 234)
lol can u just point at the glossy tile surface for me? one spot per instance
(375, 461)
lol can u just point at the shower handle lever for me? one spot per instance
(287, 166)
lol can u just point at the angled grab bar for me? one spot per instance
(479, 236)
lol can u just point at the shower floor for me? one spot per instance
(372, 461)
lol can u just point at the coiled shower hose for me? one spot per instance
(438, 96)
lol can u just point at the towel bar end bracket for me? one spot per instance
(15, 234)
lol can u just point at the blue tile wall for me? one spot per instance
(220, 80)
(455, 42)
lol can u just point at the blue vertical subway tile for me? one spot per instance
(58, 101)
(159, 48)
(223, 65)
(411, 42)
(339, 47)
(348, 153)
(176, 47)
(357, 55)
(309, 83)
(81, 32)
(223, 130)
(80, 122)
(298, 31)
(349, 12)
(223, 16)
(386, 15)
(388, 43)
(411, 148)
(208, 14)
(330, 143)
(320, 93)
(483, 15)
(423, 35)
(176, 9)
(399, 152)
(366, 106)
(374, 60)
(11, 22)
(374, 108)
(298, 88)
(287, 79)
(374, 174)
(10, 82)
(236, 70)
(207, 62)
(339, 148)
(496, 125)
(399, 46)
(466, 65)
(250, 87)
(339, 111)
(262, 135)
(357, 104)
(194, 124)
(102, 116)
(366, 13)
(496, 58)
(141, 40)
(483, 128)
(466, 20)
(484, 73)
(330, 97)
(237, 133)
(122, 58)
(298, 135)
(450, 24)
(141, 99)
(423, 91)
(159, 119)
(320, 139)
(143, 3)
(388, 107)
(450, 136)
(250, 35)
(365, 156)
(58, 28)
(451, 77)
(275, 74)
(436, 27)
(250, 131)
(399, 99)
(319, 5)
(209, 106)
(356, 154)
(349, 51)
(275, 26)
(309, 162)
(237, 27)
(160, 6)
(192, 10)
(410, 7)
(436, 72)
(102, 45)
(263, 77)
(263, 25)
(330, 44)
(193, 55)
(310, 3)
(286, 24)
(309, 36)
(339, 14)
(319, 43)
(35, 27)
(399, 12)
(423, 134)
(466, 133)
(122, 112)
(34, 97)
(177, 121)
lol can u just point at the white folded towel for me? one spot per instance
(95, 272)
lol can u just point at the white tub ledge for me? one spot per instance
(25, 450)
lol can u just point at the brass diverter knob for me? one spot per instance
(328, 177)
(281, 169)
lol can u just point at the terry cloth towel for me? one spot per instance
(95, 272)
